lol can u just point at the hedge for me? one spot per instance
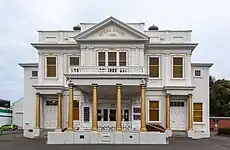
(224, 131)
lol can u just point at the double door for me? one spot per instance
(105, 114)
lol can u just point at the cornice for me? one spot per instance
(54, 45)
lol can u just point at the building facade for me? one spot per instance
(115, 76)
(17, 114)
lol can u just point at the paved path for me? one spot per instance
(17, 142)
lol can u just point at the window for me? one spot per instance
(74, 61)
(86, 113)
(51, 103)
(153, 110)
(75, 110)
(136, 113)
(197, 112)
(51, 66)
(177, 67)
(34, 73)
(154, 67)
(122, 58)
(101, 58)
(197, 73)
(112, 58)
(176, 104)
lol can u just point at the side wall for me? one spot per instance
(201, 95)
(29, 104)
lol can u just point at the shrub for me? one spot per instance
(224, 131)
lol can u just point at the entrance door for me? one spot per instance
(178, 115)
(112, 115)
(50, 114)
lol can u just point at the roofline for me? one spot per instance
(54, 45)
(17, 100)
(176, 30)
(174, 45)
(202, 64)
(28, 65)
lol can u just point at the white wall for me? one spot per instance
(17, 109)
(201, 94)
(29, 101)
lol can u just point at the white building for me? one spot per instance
(115, 76)
(17, 116)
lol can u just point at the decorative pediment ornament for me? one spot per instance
(111, 29)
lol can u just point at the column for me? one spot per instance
(143, 109)
(118, 117)
(37, 111)
(168, 111)
(59, 119)
(190, 112)
(94, 112)
(70, 108)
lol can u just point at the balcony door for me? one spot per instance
(112, 58)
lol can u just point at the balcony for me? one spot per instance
(107, 70)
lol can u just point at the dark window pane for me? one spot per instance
(74, 61)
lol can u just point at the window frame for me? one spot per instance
(69, 60)
(32, 74)
(202, 111)
(194, 73)
(183, 66)
(159, 69)
(79, 108)
(45, 60)
(159, 111)
(117, 57)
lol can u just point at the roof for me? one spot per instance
(202, 65)
(17, 100)
(28, 65)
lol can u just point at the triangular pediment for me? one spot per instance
(111, 29)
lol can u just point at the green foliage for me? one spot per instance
(224, 131)
(219, 97)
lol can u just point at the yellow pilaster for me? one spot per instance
(190, 112)
(168, 111)
(143, 109)
(37, 110)
(118, 117)
(70, 108)
(59, 119)
(94, 115)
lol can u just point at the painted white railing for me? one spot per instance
(107, 70)
(105, 126)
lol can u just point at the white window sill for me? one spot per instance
(198, 123)
(51, 78)
(177, 78)
(151, 78)
(197, 77)
(156, 122)
(33, 77)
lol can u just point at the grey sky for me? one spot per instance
(20, 20)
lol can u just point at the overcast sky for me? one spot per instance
(20, 20)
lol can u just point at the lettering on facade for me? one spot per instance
(111, 30)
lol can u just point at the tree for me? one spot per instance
(219, 97)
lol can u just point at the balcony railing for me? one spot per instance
(107, 70)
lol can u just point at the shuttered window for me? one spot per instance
(101, 58)
(197, 112)
(51, 64)
(177, 67)
(122, 58)
(74, 61)
(154, 67)
(153, 110)
(112, 58)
